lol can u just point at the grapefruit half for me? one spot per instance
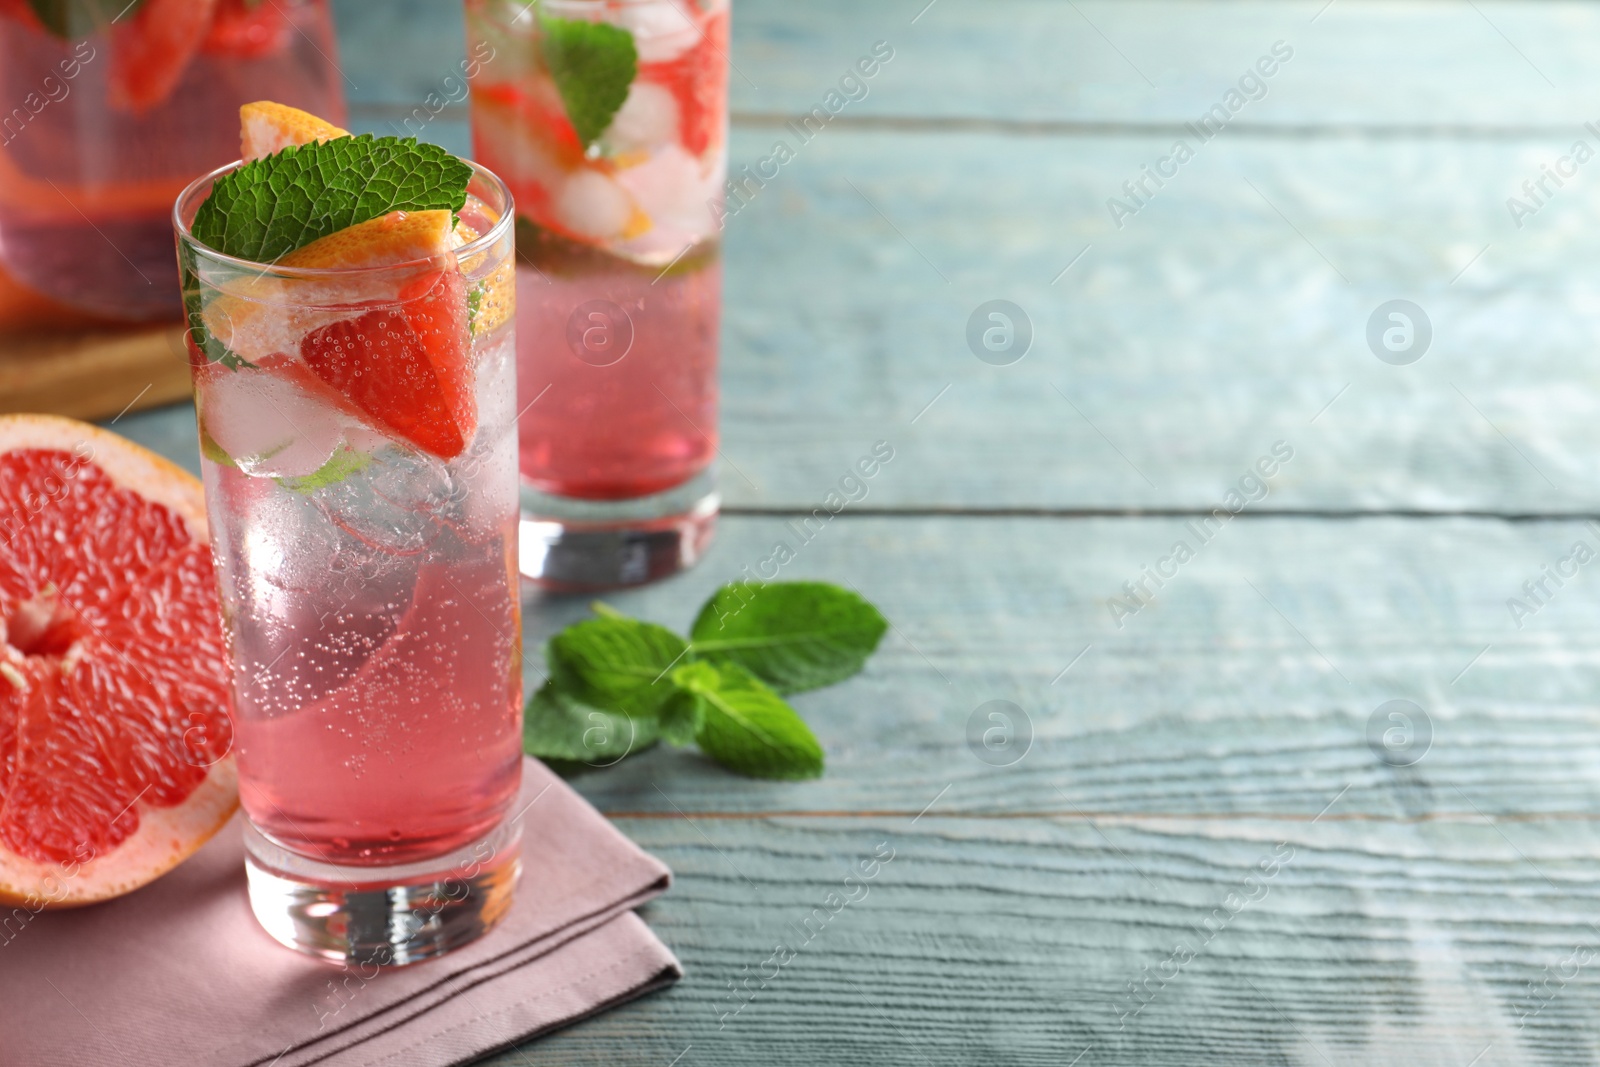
(115, 745)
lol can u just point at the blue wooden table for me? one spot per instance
(1203, 833)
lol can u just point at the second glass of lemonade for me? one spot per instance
(359, 454)
(608, 120)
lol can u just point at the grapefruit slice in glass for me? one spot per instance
(115, 744)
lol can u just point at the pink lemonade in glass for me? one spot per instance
(357, 429)
(619, 275)
(103, 124)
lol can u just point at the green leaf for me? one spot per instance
(747, 727)
(557, 725)
(73, 19)
(681, 717)
(592, 64)
(792, 635)
(340, 466)
(194, 301)
(269, 207)
(213, 451)
(616, 663)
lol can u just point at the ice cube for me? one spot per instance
(392, 503)
(268, 425)
(676, 190)
(593, 206)
(647, 118)
(662, 31)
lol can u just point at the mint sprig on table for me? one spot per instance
(270, 207)
(592, 64)
(618, 685)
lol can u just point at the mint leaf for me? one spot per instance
(340, 466)
(558, 726)
(72, 19)
(194, 299)
(270, 207)
(616, 663)
(213, 451)
(592, 64)
(792, 635)
(681, 717)
(747, 727)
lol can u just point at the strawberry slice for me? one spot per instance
(246, 30)
(699, 80)
(408, 367)
(151, 50)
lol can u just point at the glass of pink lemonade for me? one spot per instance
(608, 119)
(357, 432)
(110, 109)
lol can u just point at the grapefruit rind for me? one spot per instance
(166, 836)
(128, 465)
(267, 127)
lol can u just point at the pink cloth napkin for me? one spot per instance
(178, 974)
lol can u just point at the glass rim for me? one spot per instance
(480, 244)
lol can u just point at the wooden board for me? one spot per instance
(55, 359)
(93, 375)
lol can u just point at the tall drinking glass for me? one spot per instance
(619, 277)
(103, 124)
(366, 558)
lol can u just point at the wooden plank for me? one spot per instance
(1475, 65)
(987, 941)
(1231, 312)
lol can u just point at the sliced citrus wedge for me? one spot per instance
(115, 743)
(267, 127)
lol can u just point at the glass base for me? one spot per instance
(385, 916)
(576, 546)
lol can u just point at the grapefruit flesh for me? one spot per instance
(115, 743)
(408, 367)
